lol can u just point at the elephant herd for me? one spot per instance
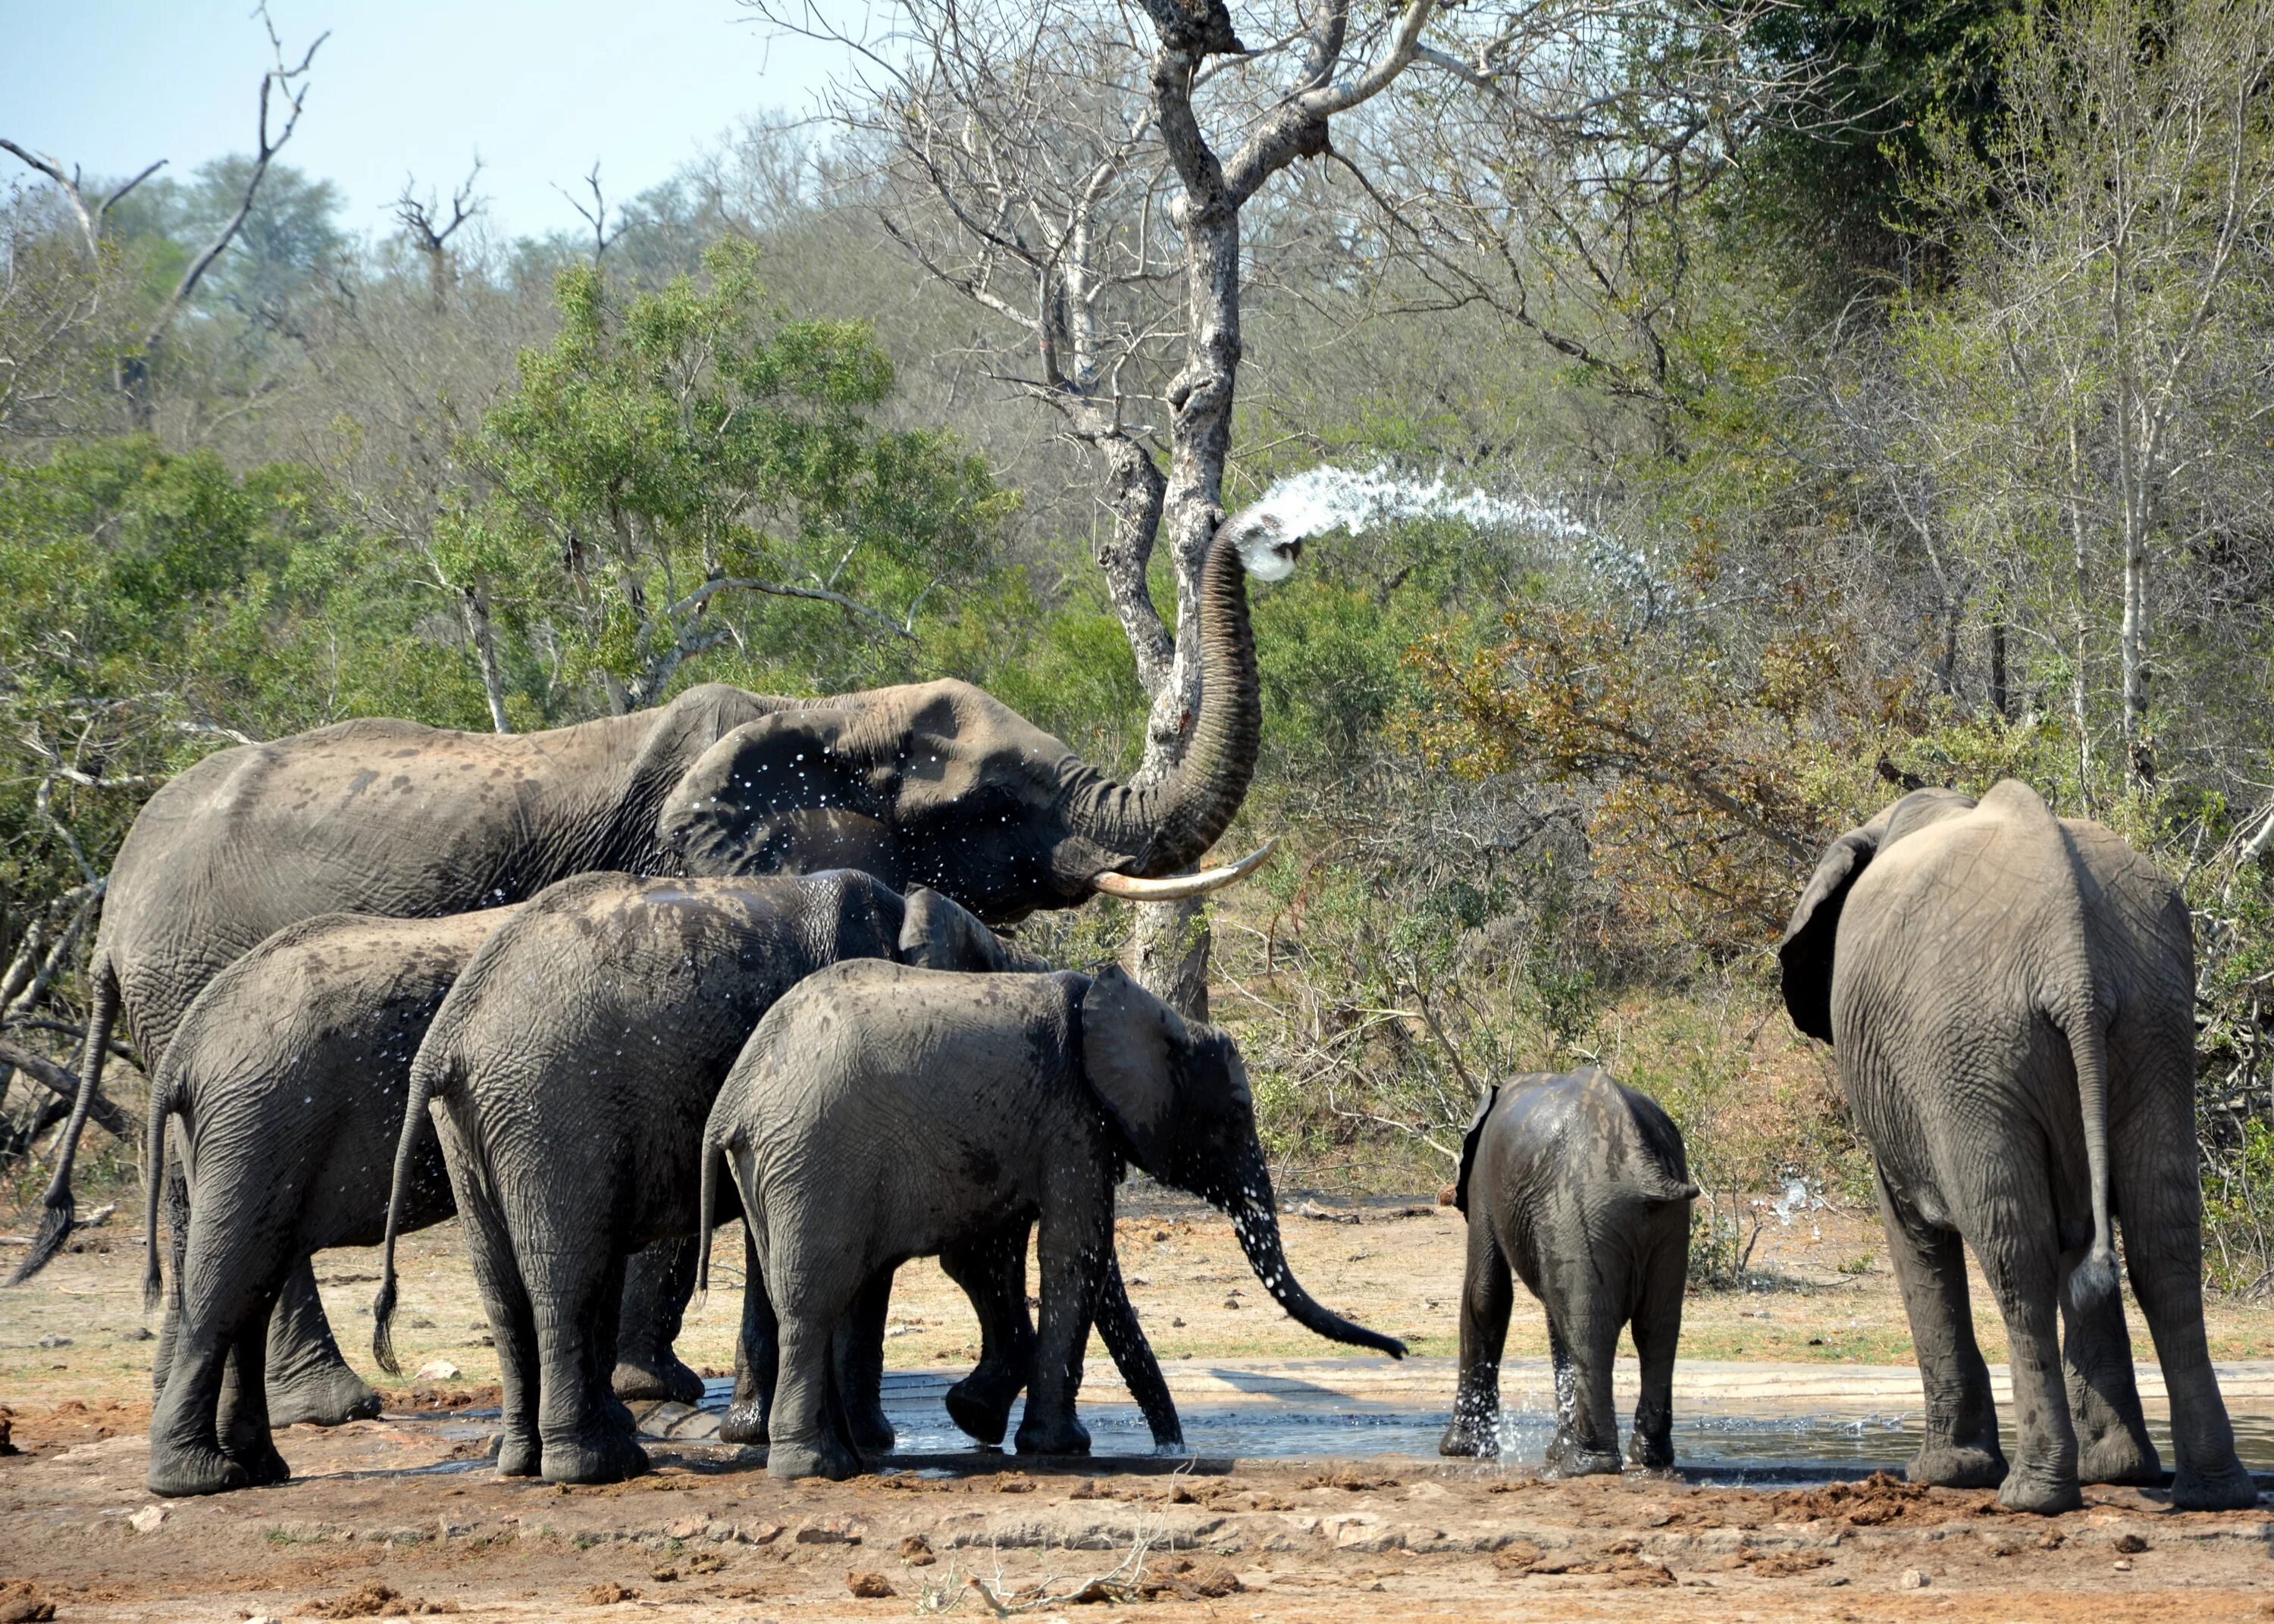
(596, 990)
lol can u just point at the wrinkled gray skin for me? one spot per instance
(1580, 1184)
(286, 1082)
(2010, 996)
(570, 1070)
(934, 784)
(880, 1113)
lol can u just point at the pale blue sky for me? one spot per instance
(540, 87)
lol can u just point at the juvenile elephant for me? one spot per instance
(880, 1113)
(570, 1070)
(288, 1078)
(2010, 998)
(1581, 1185)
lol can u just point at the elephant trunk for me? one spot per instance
(1255, 1220)
(1169, 825)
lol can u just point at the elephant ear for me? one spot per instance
(939, 933)
(1805, 952)
(1132, 1048)
(778, 794)
(1469, 1143)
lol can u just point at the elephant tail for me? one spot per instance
(2095, 1279)
(714, 1157)
(165, 1098)
(62, 1214)
(429, 1073)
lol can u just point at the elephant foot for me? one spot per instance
(650, 1375)
(744, 1423)
(1652, 1452)
(179, 1470)
(2120, 1456)
(601, 1456)
(327, 1393)
(1567, 1458)
(1477, 1436)
(519, 1456)
(2047, 1494)
(980, 1409)
(2231, 1488)
(1957, 1467)
(262, 1464)
(872, 1434)
(1170, 1442)
(824, 1457)
(1067, 1435)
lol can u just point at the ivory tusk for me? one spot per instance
(1134, 889)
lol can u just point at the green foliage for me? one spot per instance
(673, 451)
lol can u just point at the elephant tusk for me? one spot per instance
(1132, 888)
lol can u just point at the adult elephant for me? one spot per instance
(2010, 996)
(934, 784)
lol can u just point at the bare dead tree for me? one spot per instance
(92, 216)
(1080, 171)
(423, 228)
(284, 93)
(596, 216)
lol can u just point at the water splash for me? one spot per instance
(1328, 498)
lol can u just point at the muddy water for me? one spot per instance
(1745, 1441)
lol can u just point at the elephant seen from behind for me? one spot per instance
(880, 1113)
(1578, 1185)
(2010, 998)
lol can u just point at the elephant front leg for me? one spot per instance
(1488, 1296)
(1132, 1356)
(2104, 1395)
(1075, 1233)
(659, 1282)
(758, 1356)
(1961, 1449)
(308, 1378)
(992, 1271)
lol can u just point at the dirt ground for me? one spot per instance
(400, 1517)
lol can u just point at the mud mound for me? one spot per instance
(1881, 1498)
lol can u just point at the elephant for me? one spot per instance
(935, 784)
(569, 1070)
(288, 1078)
(881, 1112)
(2009, 998)
(1581, 1185)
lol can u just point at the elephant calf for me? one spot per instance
(287, 1075)
(880, 1113)
(1580, 1184)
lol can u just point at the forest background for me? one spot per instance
(1746, 412)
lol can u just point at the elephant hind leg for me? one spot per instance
(1583, 1338)
(1657, 1332)
(2104, 1395)
(1487, 1297)
(806, 1438)
(2013, 1236)
(513, 1323)
(859, 1362)
(2163, 1251)
(247, 1436)
(574, 1292)
(757, 1355)
(1961, 1450)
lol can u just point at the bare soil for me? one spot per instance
(400, 1517)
